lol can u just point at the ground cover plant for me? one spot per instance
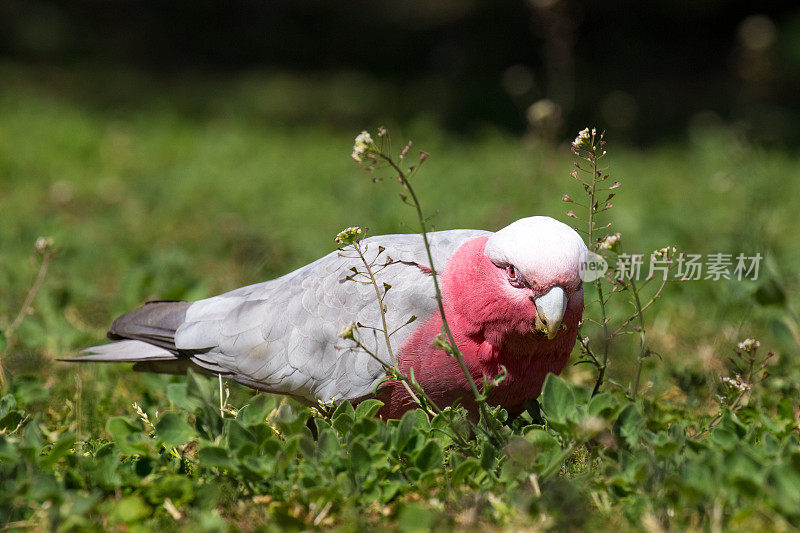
(669, 424)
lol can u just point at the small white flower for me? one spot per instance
(749, 345)
(583, 137)
(609, 242)
(357, 154)
(363, 139)
(737, 383)
(363, 143)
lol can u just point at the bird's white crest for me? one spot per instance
(542, 248)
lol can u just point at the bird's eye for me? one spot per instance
(511, 272)
(513, 276)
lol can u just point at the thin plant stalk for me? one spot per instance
(639, 311)
(589, 147)
(385, 328)
(601, 372)
(47, 254)
(592, 190)
(480, 398)
(642, 333)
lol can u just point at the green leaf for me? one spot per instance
(131, 509)
(368, 408)
(203, 391)
(429, 457)
(558, 402)
(215, 456)
(8, 452)
(120, 427)
(366, 427)
(786, 409)
(62, 447)
(343, 417)
(421, 421)
(127, 435)
(342, 423)
(177, 488)
(785, 484)
(257, 410)
(178, 394)
(518, 449)
(488, 456)
(629, 424)
(416, 518)
(10, 421)
(724, 438)
(327, 442)
(601, 405)
(172, 430)
(389, 490)
(413, 474)
(533, 452)
(465, 470)
(404, 430)
(360, 459)
(238, 436)
(7, 404)
(291, 420)
(549, 452)
(342, 408)
(662, 442)
(30, 390)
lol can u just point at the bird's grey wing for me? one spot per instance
(282, 335)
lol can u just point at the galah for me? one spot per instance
(512, 299)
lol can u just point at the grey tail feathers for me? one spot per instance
(154, 323)
(145, 335)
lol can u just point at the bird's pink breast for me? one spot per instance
(491, 332)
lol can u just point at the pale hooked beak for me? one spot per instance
(550, 309)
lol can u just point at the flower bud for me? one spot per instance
(349, 236)
(43, 245)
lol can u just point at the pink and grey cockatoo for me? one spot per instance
(512, 298)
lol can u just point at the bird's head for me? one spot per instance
(525, 277)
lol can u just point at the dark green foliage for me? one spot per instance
(595, 459)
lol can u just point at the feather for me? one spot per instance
(154, 323)
(124, 351)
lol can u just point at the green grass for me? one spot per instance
(150, 196)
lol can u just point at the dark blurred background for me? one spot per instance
(645, 70)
